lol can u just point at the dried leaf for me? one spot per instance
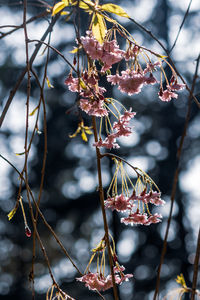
(115, 9)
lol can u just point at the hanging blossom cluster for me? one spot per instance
(97, 280)
(120, 128)
(134, 77)
(92, 96)
(137, 203)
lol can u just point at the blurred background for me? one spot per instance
(70, 200)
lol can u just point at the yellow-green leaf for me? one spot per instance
(49, 83)
(21, 153)
(75, 50)
(85, 6)
(115, 9)
(33, 112)
(58, 7)
(64, 13)
(75, 133)
(84, 136)
(181, 280)
(12, 213)
(98, 27)
(82, 84)
(88, 131)
(66, 2)
(161, 56)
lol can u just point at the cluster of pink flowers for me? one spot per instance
(108, 53)
(120, 128)
(96, 281)
(130, 81)
(121, 203)
(93, 99)
(168, 94)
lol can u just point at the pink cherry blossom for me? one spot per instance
(150, 80)
(93, 108)
(155, 198)
(109, 142)
(167, 95)
(177, 86)
(118, 203)
(113, 79)
(92, 46)
(131, 82)
(121, 128)
(128, 115)
(111, 54)
(96, 281)
(153, 219)
(131, 52)
(135, 218)
(152, 67)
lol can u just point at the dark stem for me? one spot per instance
(175, 180)
(21, 77)
(101, 195)
(196, 268)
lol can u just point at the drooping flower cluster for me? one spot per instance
(93, 99)
(97, 280)
(120, 128)
(168, 94)
(136, 204)
(108, 53)
(131, 82)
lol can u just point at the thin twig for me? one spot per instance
(43, 14)
(42, 216)
(175, 180)
(181, 26)
(21, 77)
(58, 52)
(122, 159)
(101, 195)
(169, 58)
(196, 268)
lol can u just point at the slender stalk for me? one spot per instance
(175, 180)
(196, 264)
(21, 77)
(101, 195)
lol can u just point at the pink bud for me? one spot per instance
(27, 231)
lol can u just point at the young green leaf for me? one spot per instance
(115, 9)
(49, 83)
(59, 6)
(12, 213)
(33, 112)
(98, 27)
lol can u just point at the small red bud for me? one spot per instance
(27, 231)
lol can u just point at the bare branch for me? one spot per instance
(181, 26)
(175, 180)
(21, 77)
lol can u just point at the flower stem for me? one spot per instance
(101, 195)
